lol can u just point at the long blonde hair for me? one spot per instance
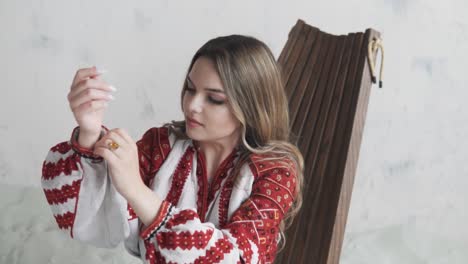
(254, 87)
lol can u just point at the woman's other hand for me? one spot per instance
(124, 168)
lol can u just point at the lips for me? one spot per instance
(194, 121)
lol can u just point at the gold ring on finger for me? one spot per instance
(113, 145)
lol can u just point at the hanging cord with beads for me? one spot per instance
(373, 48)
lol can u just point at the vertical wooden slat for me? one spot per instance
(293, 56)
(305, 88)
(305, 104)
(292, 37)
(299, 69)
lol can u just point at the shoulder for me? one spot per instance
(262, 164)
(281, 171)
(154, 147)
(156, 139)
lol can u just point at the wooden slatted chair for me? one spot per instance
(328, 80)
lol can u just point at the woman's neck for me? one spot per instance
(215, 153)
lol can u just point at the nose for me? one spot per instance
(195, 103)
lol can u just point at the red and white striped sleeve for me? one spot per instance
(82, 198)
(250, 236)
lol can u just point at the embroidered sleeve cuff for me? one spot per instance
(158, 221)
(82, 151)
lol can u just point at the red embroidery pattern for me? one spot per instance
(205, 194)
(257, 220)
(260, 165)
(180, 176)
(270, 187)
(160, 258)
(184, 240)
(242, 242)
(181, 218)
(150, 253)
(51, 170)
(62, 148)
(220, 175)
(215, 254)
(153, 255)
(65, 221)
(202, 188)
(224, 202)
(145, 167)
(163, 140)
(246, 233)
(153, 148)
(60, 196)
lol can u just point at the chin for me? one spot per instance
(193, 134)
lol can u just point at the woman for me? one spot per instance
(218, 186)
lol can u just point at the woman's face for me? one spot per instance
(208, 115)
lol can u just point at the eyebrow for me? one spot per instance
(209, 89)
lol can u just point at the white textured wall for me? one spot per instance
(409, 199)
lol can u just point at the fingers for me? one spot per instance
(90, 84)
(111, 136)
(109, 155)
(124, 135)
(91, 106)
(118, 136)
(114, 156)
(89, 94)
(85, 73)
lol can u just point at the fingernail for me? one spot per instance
(110, 96)
(112, 88)
(101, 71)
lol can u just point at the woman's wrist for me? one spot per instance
(79, 143)
(87, 140)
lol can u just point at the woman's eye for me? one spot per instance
(214, 101)
(190, 90)
(211, 99)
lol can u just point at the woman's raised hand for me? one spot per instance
(88, 99)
